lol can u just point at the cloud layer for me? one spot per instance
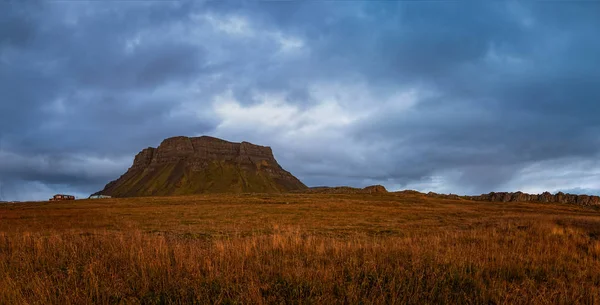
(427, 95)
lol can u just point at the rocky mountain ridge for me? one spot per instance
(560, 197)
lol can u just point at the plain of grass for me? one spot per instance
(298, 249)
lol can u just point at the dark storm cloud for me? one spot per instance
(493, 115)
(513, 85)
(73, 91)
(498, 86)
(81, 66)
(17, 26)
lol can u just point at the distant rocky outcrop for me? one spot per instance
(373, 189)
(409, 193)
(560, 197)
(183, 166)
(445, 196)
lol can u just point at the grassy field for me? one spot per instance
(297, 249)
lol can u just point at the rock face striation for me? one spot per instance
(183, 166)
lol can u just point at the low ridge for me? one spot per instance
(373, 189)
(184, 166)
(560, 197)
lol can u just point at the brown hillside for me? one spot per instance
(184, 166)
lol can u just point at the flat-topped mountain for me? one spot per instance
(183, 166)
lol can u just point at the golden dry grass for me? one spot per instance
(298, 249)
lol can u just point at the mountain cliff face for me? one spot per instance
(183, 166)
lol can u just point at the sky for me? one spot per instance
(462, 97)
